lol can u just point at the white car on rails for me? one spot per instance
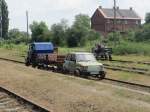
(83, 64)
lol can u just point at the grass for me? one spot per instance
(12, 54)
(131, 77)
(135, 58)
(129, 65)
(12, 51)
(125, 48)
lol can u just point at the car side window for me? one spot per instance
(68, 57)
(73, 57)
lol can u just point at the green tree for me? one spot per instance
(114, 38)
(40, 32)
(4, 19)
(82, 21)
(17, 36)
(80, 32)
(147, 18)
(72, 38)
(93, 35)
(59, 33)
(81, 27)
(143, 34)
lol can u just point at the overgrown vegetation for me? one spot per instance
(61, 34)
(133, 42)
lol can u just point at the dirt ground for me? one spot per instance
(62, 93)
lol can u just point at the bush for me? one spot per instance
(40, 32)
(72, 38)
(59, 33)
(131, 48)
(143, 35)
(17, 37)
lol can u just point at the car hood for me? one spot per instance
(90, 63)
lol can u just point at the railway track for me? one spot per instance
(119, 68)
(133, 68)
(130, 85)
(138, 62)
(128, 69)
(11, 60)
(11, 102)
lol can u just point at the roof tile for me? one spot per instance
(120, 13)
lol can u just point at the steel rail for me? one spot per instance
(11, 60)
(125, 83)
(24, 100)
(139, 62)
(140, 72)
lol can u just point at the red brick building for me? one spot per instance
(103, 20)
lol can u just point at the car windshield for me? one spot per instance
(85, 57)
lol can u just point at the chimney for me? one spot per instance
(131, 8)
(100, 7)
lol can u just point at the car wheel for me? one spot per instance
(101, 75)
(110, 58)
(65, 71)
(39, 66)
(34, 65)
(77, 73)
(27, 63)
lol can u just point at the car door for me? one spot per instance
(72, 63)
(67, 61)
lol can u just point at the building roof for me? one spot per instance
(120, 13)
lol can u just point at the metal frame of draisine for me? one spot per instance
(45, 55)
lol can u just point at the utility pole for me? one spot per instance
(1, 26)
(1, 20)
(27, 18)
(114, 23)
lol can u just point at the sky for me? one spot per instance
(52, 11)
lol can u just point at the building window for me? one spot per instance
(119, 21)
(108, 21)
(137, 22)
(126, 22)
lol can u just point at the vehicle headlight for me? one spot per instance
(102, 68)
